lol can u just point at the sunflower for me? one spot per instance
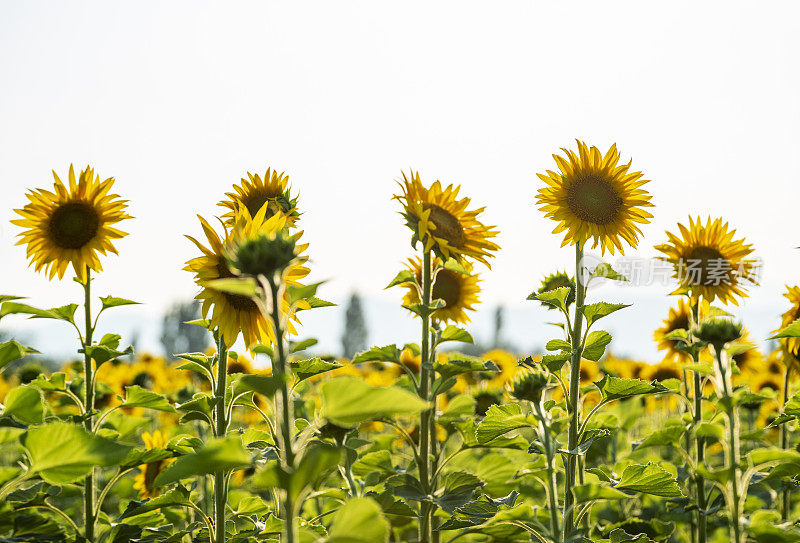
(458, 290)
(679, 318)
(144, 481)
(748, 357)
(71, 225)
(443, 223)
(662, 371)
(240, 364)
(622, 367)
(233, 313)
(558, 280)
(254, 193)
(708, 262)
(595, 197)
(791, 345)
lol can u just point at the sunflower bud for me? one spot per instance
(264, 255)
(529, 386)
(558, 280)
(719, 332)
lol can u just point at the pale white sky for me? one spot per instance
(178, 100)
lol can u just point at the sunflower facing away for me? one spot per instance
(443, 223)
(594, 197)
(71, 225)
(558, 280)
(459, 291)
(708, 262)
(232, 313)
(254, 193)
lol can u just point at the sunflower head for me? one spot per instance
(459, 291)
(250, 195)
(144, 482)
(708, 262)
(662, 371)
(443, 223)
(71, 225)
(594, 197)
(558, 280)
(719, 332)
(791, 345)
(264, 254)
(679, 318)
(529, 385)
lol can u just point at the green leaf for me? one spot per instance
(13, 350)
(793, 330)
(61, 452)
(56, 382)
(349, 401)
(405, 276)
(615, 388)
(555, 298)
(460, 406)
(618, 535)
(595, 312)
(202, 323)
(198, 363)
(668, 436)
(318, 460)
(459, 486)
(388, 353)
(266, 385)
(112, 301)
(595, 491)
(102, 353)
(453, 265)
(179, 497)
(606, 271)
(302, 292)
(454, 333)
(302, 345)
(360, 520)
(501, 419)
(649, 479)
(63, 313)
(458, 364)
(558, 345)
(791, 411)
(217, 455)
(554, 362)
(26, 404)
(767, 455)
(240, 286)
(313, 366)
(596, 345)
(136, 396)
(314, 302)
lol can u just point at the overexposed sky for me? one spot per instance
(178, 100)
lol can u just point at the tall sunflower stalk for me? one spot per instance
(591, 197)
(220, 429)
(448, 231)
(790, 350)
(70, 226)
(708, 265)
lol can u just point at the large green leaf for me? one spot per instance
(62, 452)
(25, 403)
(595, 345)
(112, 301)
(387, 353)
(63, 313)
(217, 455)
(454, 333)
(360, 520)
(136, 396)
(349, 401)
(616, 388)
(649, 479)
(266, 385)
(304, 369)
(554, 298)
(501, 419)
(793, 330)
(13, 350)
(595, 312)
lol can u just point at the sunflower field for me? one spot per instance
(409, 442)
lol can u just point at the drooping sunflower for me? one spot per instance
(791, 345)
(594, 197)
(144, 481)
(679, 317)
(443, 223)
(708, 262)
(256, 192)
(71, 225)
(233, 313)
(459, 291)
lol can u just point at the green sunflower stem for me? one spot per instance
(88, 381)
(426, 511)
(221, 428)
(786, 496)
(699, 480)
(574, 396)
(286, 414)
(734, 455)
(552, 482)
(434, 446)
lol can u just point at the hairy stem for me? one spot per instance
(221, 428)
(699, 480)
(786, 496)
(424, 530)
(552, 483)
(88, 381)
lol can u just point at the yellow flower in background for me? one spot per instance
(71, 225)
(622, 367)
(144, 481)
(590, 372)
(708, 262)
(459, 291)
(593, 197)
(748, 357)
(253, 193)
(233, 313)
(240, 364)
(791, 345)
(666, 369)
(679, 317)
(507, 362)
(443, 223)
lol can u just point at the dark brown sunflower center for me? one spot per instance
(662, 374)
(238, 302)
(447, 226)
(237, 367)
(151, 471)
(257, 198)
(73, 225)
(594, 199)
(772, 385)
(447, 288)
(706, 266)
(585, 375)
